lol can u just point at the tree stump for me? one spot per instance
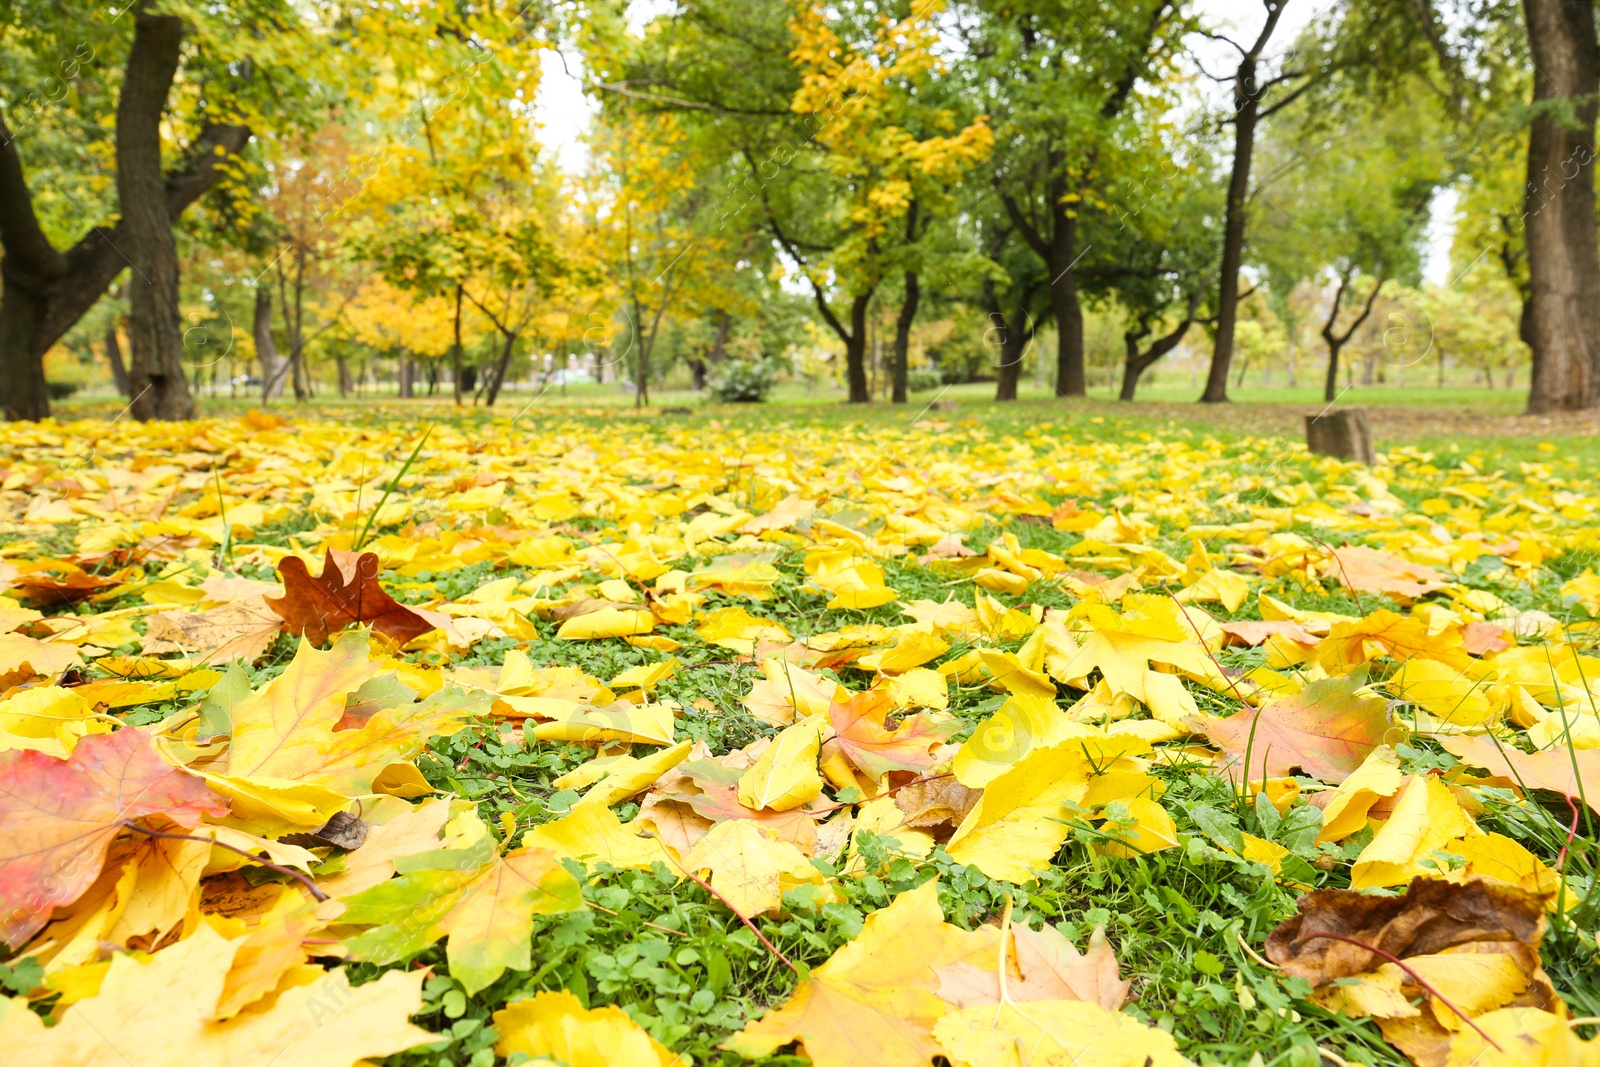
(1342, 434)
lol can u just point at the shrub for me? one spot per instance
(922, 379)
(742, 381)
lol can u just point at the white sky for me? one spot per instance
(564, 112)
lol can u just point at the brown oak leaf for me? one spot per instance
(345, 593)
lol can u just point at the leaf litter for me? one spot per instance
(591, 746)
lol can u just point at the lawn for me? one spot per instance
(734, 692)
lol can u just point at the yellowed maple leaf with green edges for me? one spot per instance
(749, 867)
(591, 834)
(287, 759)
(1019, 823)
(1426, 815)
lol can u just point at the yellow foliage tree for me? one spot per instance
(897, 152)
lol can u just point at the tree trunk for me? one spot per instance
(274, 368)
(1246, 100)
(902, 336)
(45, 291)
(404, 375)
(119, 371)
(855, 351)
(155, 331)
(1014, 338)
(1137, 363)
(1336, 340)
(497, 376)
(719, 341)
(455, 349)
(346, 385)
(1561, 319)
(1070, 378)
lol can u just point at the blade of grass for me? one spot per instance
(373, 517)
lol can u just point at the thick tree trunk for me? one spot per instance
(119, 370)
(1561, 318)
(274, 368)
(155, 331)
(1070, 378)
(1244, 136)
(855, 351)
(346, 385)
(902, 336)
(45, 291)
(404, 374)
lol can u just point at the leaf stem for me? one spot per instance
(703, 884)
(311, 886)
(1415, 977)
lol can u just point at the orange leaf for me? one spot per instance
(1367, 570)
(1552, 769)
(1326, 730)
(871, 747)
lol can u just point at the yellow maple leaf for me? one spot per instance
(555, 1026)
(748, 867)
(786, 774)
(175, 1028)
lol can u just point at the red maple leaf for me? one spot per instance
(58, 817)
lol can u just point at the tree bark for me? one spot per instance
(902, 336)
(1561, 318)
(404, 374)
(497, 376)
(855, 351)
(274, 368)
(1244, 136)
(155, 331)
(1247, 91)
(1064, 306)
(455, 350)
(346, 385)
(1336, 340)
(119, 370)
(1138, 362)
(46, 291)
(1015, 334)
(719, 341)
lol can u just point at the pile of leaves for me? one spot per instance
(710, 742)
